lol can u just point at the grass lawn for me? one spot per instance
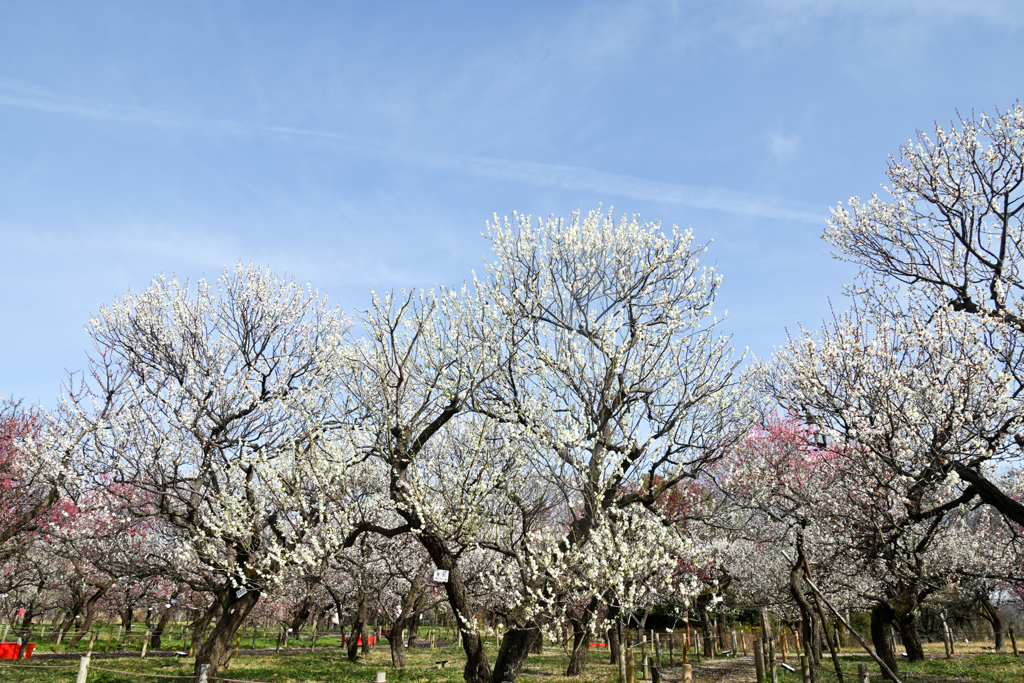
(973, 662)
(329, 665)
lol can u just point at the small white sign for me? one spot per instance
(441, 575)
(240, 592)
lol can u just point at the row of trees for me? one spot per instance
(568, 435)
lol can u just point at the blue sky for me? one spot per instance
(358, 145)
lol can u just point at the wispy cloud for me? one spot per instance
(591, 180)
(14, 93)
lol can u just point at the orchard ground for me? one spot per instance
(328, 664)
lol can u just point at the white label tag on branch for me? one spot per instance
(441, 575)
(240, 592)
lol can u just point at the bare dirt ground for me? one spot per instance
(739, 670)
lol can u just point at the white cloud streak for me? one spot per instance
(18, 94)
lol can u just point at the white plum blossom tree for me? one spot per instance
(223, 391)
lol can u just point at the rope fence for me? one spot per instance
(136, 673)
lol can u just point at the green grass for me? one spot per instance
(981, 668)
(329, 665)
(326, 665)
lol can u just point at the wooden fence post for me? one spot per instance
(645, 671)
(687, 673)
(204, 673)
(630, 666)
(1013, 641)
(862, 674)
(145, 643)
(83, 669)
(735, 649)
(759, 660)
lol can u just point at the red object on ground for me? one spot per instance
(598, 645)
(373, 641)
(10, 650)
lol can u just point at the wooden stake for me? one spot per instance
(643, 656)
(83, 669)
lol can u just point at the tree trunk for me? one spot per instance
(217, 648)
(907, 625)
(414, 629)
(707, 632)
(396, 644)
(882, 616)
(614, 641)
(26, 631)
(580, 647)
(365, 634)
(358, 628)
(995, 617)
(300, 613)
(126, 620)
(200, 625)
(810, 624)
(90, 614)
(158, 633)
(724, 637)
(516, 646)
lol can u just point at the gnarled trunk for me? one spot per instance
(995, 617)
(882, 618)
(90, 613)
(906, 624)
(300, 613)
(217, 648)
(200, 625)
(519, 641)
